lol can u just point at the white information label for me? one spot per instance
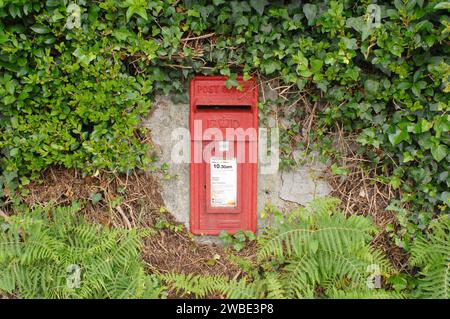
(223, 182)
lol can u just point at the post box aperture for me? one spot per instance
(223, 171)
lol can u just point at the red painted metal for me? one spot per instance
(213, 105)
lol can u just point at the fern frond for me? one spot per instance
(275, 287)
(319, 246)
(431, 252)
(332, 231)
(37, 249)
(363, 294)
(192, 284)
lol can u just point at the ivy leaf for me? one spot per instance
(83, 58)
(423, 126)
(231, 83)
(206, 11)
(417, 87)
(95, 197)
(258, 5)
(138, 10)
(52, 3)
(398, 136)
(442, 5)
(225, 237)
(407, 157)
(425, 141)
(49, 39)
(365, 32)
(310, 11)
(239, 7)
(404, 85)
(93, 13)
(395, 182)
(241, 21)
(9, 99)
(40, 29)
(14, 151)
(336, 170)
(13, 10)
(354, 23)
(316, 65)
(121, 34)
(130, 12)
(323, 85)
(445, 197)
(371, 86)
(10, 88)
(270, 67)
(142, 13)
(350, 44)
(439, 152)
(193, 13)
(442, 124)
(360, 25)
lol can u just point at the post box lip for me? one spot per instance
(220, 77)
(237, 99)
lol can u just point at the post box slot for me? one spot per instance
(224, 107)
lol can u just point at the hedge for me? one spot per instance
(76, 78)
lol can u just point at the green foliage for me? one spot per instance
(200, 286)
(319, 247)
(237, 240)
(431, 253)
(203, 286)
(75, 80)
(314, 252)
(53, 253)
(67, 97)
(162, 222)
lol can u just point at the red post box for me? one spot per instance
(223, 171)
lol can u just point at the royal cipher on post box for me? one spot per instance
(223, 171)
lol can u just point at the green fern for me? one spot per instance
(200, 286)
(37, 249)
(315, 252)
(203, 286)
(318, 247)
(432, 254)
